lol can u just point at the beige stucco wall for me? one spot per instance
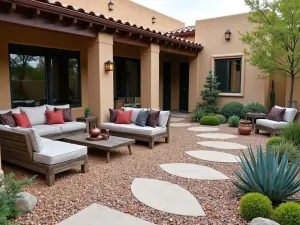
(210, 33)
(129, 11)
(10, 33)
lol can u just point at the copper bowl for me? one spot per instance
(95, 132)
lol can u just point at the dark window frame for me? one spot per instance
(47, 53)
(240, 69)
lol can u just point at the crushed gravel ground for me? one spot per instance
(109, 184)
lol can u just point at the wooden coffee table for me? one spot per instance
(105, 145)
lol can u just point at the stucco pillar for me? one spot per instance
(150, 77)
(100, 83)
(194, 91)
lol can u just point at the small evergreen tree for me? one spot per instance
(210, 94)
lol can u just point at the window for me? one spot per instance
(44, 76)
(229, 74)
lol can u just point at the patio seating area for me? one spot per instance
(109, 184)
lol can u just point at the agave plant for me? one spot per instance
(266, 175)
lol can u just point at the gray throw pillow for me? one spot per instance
(142, 118)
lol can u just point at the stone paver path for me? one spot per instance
(193, 171)
(203, 129)
(166, 197)
(180, 124)
(97, 214)
(214, 156)
(221, 136)
(177, 119)
(222, 145)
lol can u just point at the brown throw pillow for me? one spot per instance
(67, 114)
(153, 118)
(276, 114)
(8, 119)
(113, 115)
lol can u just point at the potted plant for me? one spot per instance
(87, 112)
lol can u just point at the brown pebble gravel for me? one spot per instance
(109, 184)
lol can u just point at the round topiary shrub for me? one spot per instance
(287, 214)
(210, 121)
(232, 108)
(233, 121)
(274, 141)
(254, 205)
(253, 107)
(221, 118)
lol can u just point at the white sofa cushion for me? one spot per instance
(36, 115)
(55, 152)
(6, 127)
(289, 114)
(135, 112)
(44, 140)
(51, 107)
(15, 110)
(35, 138)
(71, 126)
(113, 127)
(150, 131)
(45, 130)
(163, 118)
(271, 123)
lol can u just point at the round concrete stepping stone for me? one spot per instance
(203, 129)
(166, 197)
(180, 124)
(193, 171)
(216, 136)
(222, 145)
(214, 156)
(176, 119)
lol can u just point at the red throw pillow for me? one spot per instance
(123, 117)
(54, 117)
(22, 120)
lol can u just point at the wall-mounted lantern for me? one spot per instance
(109, 66)
(111, 5)
(227, 35)
(153, 20)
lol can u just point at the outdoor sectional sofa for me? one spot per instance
(147, 133)
(34, 149)
(274, 127)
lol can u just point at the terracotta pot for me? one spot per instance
(95, 132)
(245, 127)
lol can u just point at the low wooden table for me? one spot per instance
(254, 116)
(90, 122)
(105, 145)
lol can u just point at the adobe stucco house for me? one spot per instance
(54, 52)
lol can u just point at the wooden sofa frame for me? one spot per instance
(273, 132)
(16, 148)
(146, 138)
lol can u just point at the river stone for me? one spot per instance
(26, 202)
(263, 221)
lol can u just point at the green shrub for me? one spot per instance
(266, 175)
(210, 114)
(287, 214)
(253, 107)
(197, 114)
(274, 141)
(288, 146)
(221, 118)
(210, 120)
(291, 133)
(232, 108)
(255, 205)
(8, 196)
(233, 121)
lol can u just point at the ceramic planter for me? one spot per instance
(245, 127)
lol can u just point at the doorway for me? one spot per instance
(167, 85)
(184, 86)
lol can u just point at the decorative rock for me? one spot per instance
(263, 221)
(166, 197)
(26, 202)
(222, 145)
(203, 129)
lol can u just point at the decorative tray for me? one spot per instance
(99, 138)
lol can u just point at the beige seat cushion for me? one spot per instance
(272, 124)
(113, 127)
(55, 152)
(71, 126)
(45, 130)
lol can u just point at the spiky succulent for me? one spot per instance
(266, 175)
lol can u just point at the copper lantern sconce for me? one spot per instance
(109, 66)
(111, 6)
(227, 35)
(153, 20)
